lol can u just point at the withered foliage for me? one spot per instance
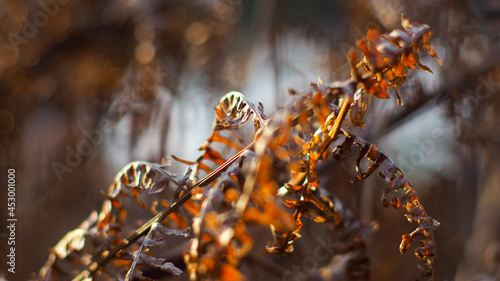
(271, 182)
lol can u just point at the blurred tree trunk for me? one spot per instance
(482, 249)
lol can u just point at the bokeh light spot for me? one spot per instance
(144, 52)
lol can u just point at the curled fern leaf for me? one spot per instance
(137, 178)
(234, 110)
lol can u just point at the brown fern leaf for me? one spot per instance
(387, 57)
(234, 110)
(139, 257)
(137, 178)
(404, 197)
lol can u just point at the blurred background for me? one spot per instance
(88, 86)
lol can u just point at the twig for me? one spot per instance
(130, 273)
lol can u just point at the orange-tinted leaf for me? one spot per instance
(405, 243)
(192, 207)
(182, 160)
(382, 95)
(230, 273)
(231, 194)
(213, 155)
(423, 67)
(204, 167)
(216, 137)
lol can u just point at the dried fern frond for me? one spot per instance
(272, 183)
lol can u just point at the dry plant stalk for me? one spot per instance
(270, 182)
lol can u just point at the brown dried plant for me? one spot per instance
(271, 182)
